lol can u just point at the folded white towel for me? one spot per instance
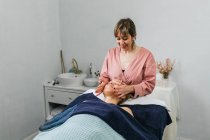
(145, 100)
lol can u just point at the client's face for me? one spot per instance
(108, 90)
(110, 96)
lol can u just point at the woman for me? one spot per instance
(131, 67)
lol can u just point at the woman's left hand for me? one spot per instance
(123, 89)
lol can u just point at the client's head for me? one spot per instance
(110, 96)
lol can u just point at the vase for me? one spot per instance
(165, 82)
(165, 75)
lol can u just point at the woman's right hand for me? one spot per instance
(117, 82)
(100, 88)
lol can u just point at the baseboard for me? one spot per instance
(31, 136)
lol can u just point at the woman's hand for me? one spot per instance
(100, 88)
(117, 82)
(121, 90)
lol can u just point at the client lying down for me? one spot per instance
(90, 118)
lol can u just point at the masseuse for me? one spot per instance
(130, 67)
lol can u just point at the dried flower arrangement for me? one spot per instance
(165, 67)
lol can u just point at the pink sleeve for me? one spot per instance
(104, 71)
(149, 77)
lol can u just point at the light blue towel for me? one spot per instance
(58, 119)
(81, 127)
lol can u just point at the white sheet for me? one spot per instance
(145, 100)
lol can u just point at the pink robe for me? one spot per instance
(141, 72)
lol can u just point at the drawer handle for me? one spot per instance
(52, 95)
(70, 98)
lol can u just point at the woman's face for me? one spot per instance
(125, 42)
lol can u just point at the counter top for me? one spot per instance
(83, 88)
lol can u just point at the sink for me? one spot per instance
(91, 82)
(71, 79)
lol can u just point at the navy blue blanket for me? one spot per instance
(148, 122)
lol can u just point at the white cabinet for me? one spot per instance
(170, 96)
(57, 96)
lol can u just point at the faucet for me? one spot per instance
(91, 71)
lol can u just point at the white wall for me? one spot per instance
(29, 55)
(176, 29)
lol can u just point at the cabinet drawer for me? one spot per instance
(60, 97)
